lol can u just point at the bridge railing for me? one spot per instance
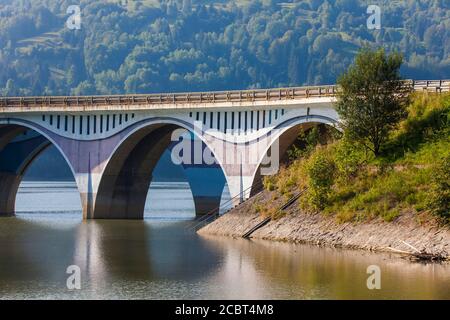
(204, 97)
(431, 85)
(173, 98)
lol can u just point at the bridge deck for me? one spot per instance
(293, 93)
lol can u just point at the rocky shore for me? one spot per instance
(295, 226)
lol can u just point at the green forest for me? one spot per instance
(192, 45)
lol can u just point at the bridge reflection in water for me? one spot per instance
(36, 253)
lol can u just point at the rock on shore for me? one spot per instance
(295, 226)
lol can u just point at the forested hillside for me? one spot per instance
(179, 45)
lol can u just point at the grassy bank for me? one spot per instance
(343, 180)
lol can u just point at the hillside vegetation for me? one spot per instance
(342, 179)
(178, 45)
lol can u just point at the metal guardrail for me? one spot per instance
(203, 97)
(215, 213)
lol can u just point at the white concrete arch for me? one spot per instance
(28, 150)
(168, 121)
(122, 157)
(42, 131)
(279, 131)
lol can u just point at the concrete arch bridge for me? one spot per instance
(113, 143)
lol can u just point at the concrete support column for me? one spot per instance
(88, 160)
(241, 163)
(9, 184)
(207, 184)
(240, 188)
(88, 194)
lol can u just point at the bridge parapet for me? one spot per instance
(171, 100)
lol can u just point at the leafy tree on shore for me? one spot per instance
(372, 98)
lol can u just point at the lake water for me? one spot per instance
(162, 258)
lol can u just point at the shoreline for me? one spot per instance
(304, 228)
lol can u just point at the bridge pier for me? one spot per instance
(207, 185)
(8, 190)
(206, 205)
(18, 148)
(244, 163)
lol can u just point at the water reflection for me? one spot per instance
(154, 259)
(31, 251)
(108, 253)
(141, 250)
(289, 271)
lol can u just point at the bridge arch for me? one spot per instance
(127, 174)
(285, 136)
(21, 143)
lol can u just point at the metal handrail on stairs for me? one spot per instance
(215, 213)
(261, 224)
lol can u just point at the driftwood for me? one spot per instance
(420, 255)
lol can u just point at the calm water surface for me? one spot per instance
(161, 258)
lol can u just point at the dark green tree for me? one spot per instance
(372, 98)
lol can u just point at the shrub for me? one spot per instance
(320, 169)
(343, 179)
(349, 158)
(440, 190)
(269, 183)
(425, 128)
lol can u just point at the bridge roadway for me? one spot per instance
(113, 143)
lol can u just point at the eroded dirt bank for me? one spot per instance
(295, 226)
